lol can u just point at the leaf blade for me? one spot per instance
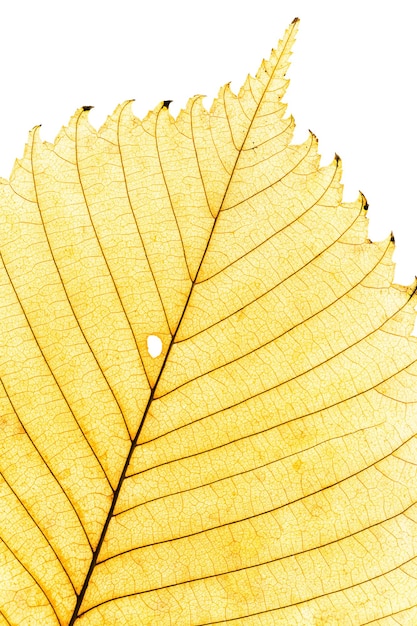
(227, 480)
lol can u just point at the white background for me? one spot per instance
(353, 79)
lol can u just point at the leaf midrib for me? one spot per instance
(116, 492)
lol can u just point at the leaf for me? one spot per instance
(261, 469)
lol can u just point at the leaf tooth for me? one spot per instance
(413, 288)
(193, 109)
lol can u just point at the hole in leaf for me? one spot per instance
(154, 346)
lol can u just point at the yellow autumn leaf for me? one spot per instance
(261, 469)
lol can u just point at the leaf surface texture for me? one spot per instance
(262, 469)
